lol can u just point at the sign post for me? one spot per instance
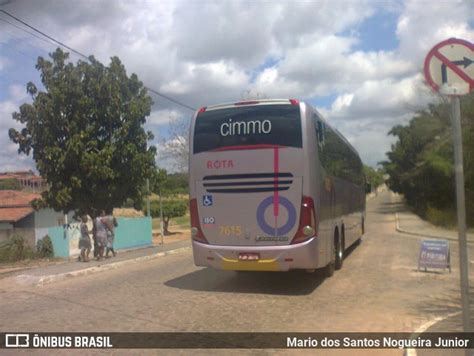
(449, 71)
(461, 209)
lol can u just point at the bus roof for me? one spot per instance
(251, 102)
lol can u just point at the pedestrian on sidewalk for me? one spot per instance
(84, 240)
(94, 238)
(111, 223)
(101, 234)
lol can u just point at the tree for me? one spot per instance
(169, 187)
(85, 131)
(373, 177)
(420, 163)
(10, 184)
(172, 208)
(169, 184)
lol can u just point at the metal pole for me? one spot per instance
(161, 217)
(461, 210)
(147, 197)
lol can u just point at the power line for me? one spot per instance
(170, 99)
(81, 54)
(25, 30)
(44, 34)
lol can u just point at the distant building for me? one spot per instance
(26, 179)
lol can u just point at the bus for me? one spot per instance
(273, 187)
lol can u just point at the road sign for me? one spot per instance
(449, 67)
(434, 254)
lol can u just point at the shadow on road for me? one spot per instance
(352, 247)
(444, 305)
(389, 208)
(277, 283)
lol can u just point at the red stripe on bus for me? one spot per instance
(276, 162)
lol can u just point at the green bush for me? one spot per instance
(172, 208)
(445, 218)
(44, 248)
(10, 184)
(15, 249)
(5, 251)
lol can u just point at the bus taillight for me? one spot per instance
(307, 226)
(196, 231)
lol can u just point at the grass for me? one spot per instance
(156, 197)
(180, 222)
(444, 218)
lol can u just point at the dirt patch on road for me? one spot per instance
(176, 235)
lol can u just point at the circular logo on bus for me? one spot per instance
(275, 230)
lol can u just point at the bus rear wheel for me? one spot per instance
(332, 265)
(339, 251)
(329, 269)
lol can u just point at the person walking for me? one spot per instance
(100, 234)
(111, 223)
(84, 240)
(94, 239)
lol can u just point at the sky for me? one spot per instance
(358, 62)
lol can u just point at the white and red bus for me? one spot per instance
(273, 187)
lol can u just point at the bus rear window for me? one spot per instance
(250, 125)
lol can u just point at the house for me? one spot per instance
(17, 216)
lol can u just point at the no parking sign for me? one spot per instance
(449, 67)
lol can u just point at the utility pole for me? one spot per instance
(148, 197)
(161, 218)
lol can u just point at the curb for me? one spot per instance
(73, 257)
(403, 231)
(42, 280)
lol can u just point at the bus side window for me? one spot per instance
(319, 126)
(320, 132)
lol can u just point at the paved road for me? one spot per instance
(378, 289)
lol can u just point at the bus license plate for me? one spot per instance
(249, 256)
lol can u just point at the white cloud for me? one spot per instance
(382, 99)
(342, 103)
(3, 63)
(18, 92)
(326, 66)
(6, 109)
(422, 25)
(10, 159)
(161, 117)
(203, 53)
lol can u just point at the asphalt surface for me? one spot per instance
(378, 289)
